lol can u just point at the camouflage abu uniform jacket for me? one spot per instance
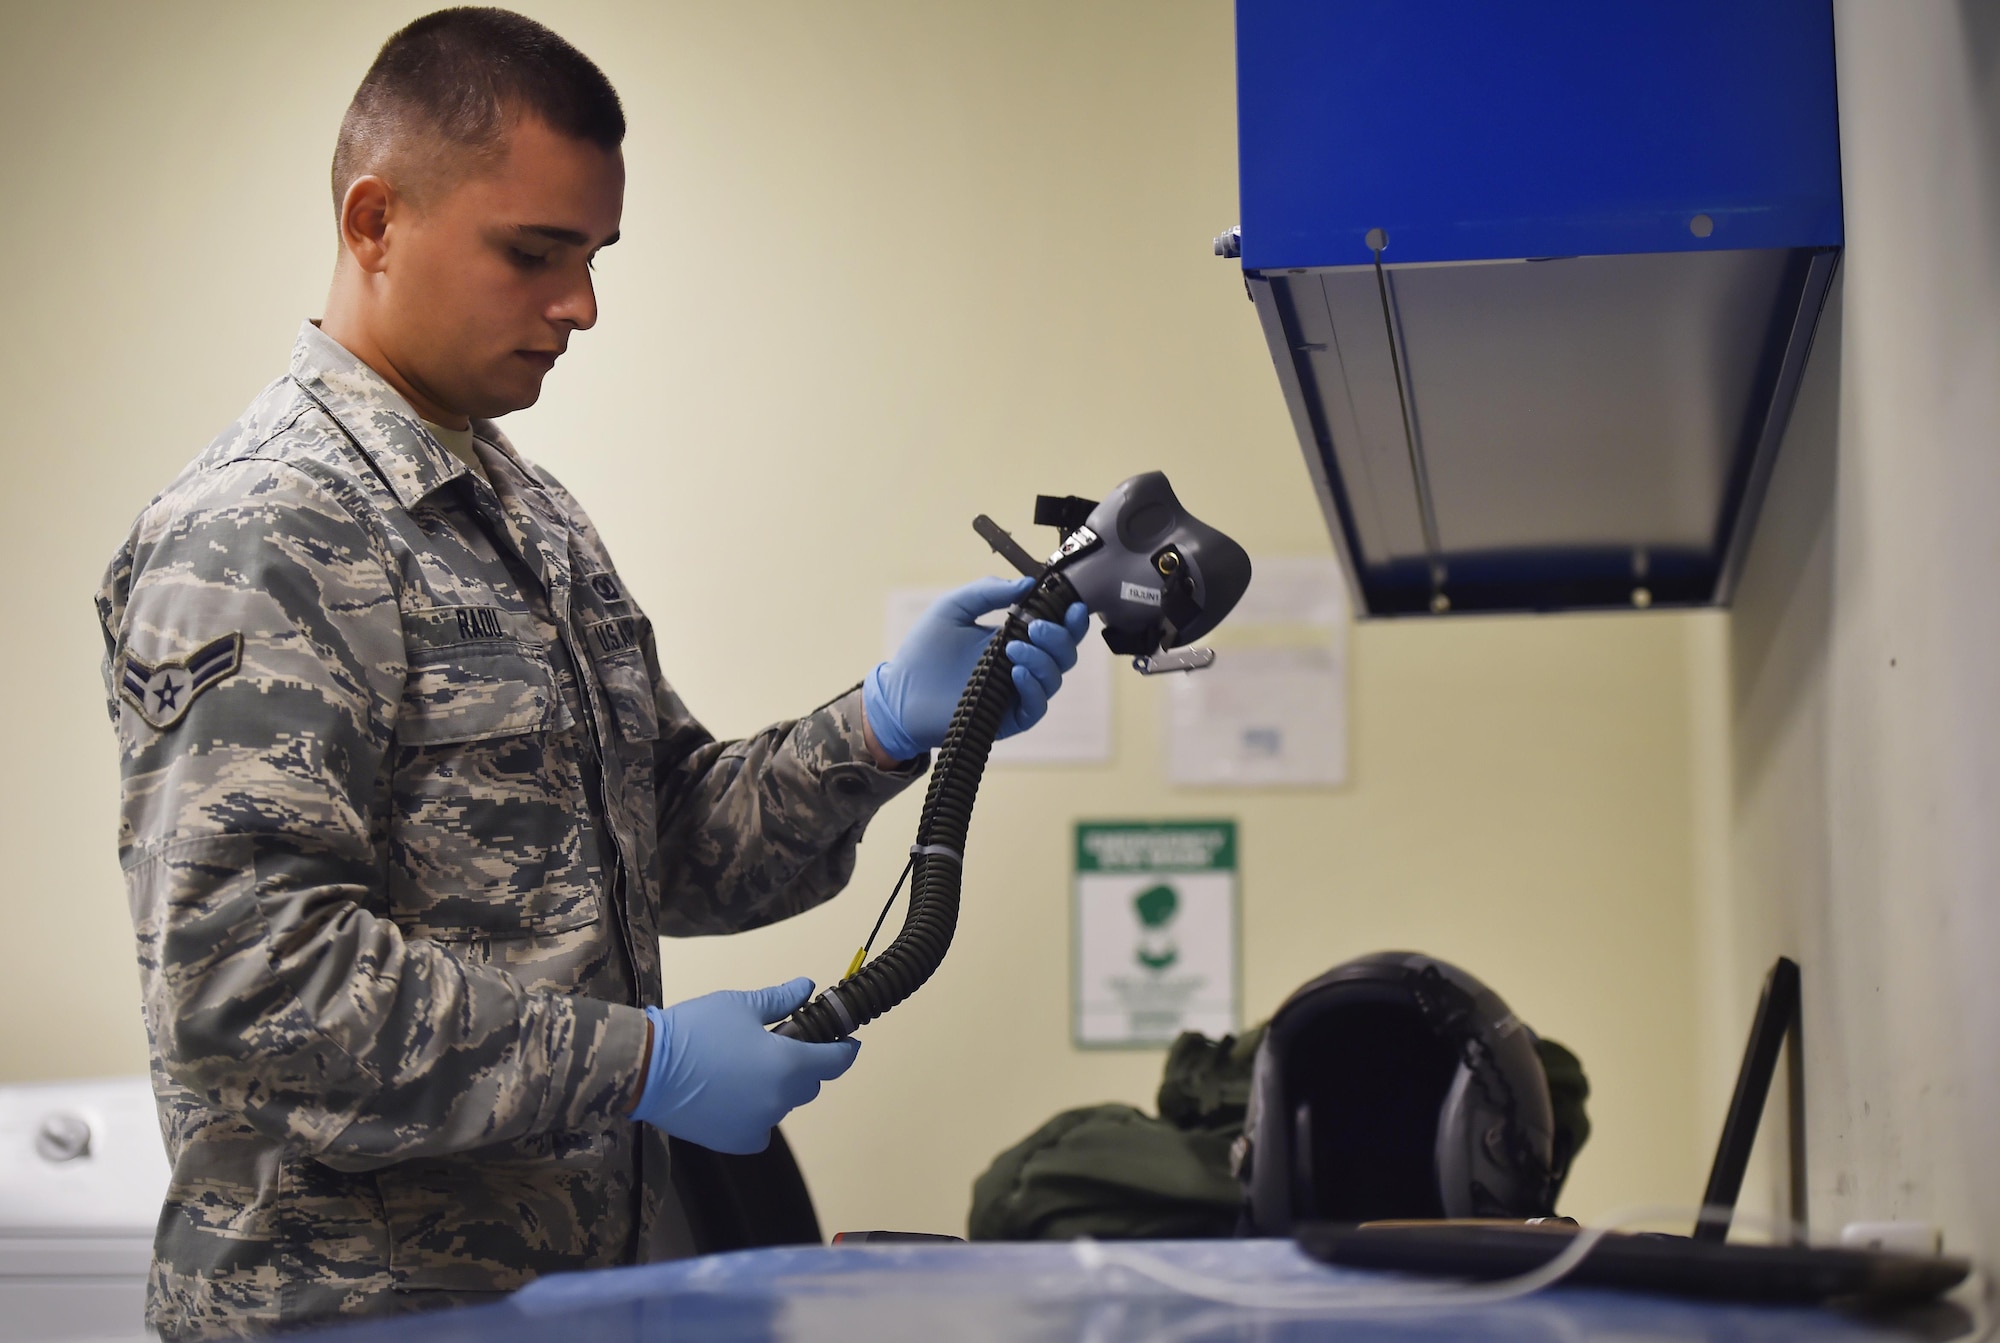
(406, 805)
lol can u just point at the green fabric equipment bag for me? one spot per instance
(1116, 1173)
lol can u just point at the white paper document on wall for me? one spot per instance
(1272, 710)
(1077, 727)
(1305, 590)
(1260, 716)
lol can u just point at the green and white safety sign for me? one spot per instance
(1155, 946)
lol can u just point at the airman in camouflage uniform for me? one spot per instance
(406, 805)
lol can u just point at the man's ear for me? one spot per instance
(364, 222)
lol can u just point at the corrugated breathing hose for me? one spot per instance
(938, 855)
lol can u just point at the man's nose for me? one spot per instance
(577, 306)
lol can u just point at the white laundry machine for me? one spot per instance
(82, 1174)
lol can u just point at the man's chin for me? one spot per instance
(505, 401)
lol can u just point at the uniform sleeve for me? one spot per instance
(757, 830)
(253, 807)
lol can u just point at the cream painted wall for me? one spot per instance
(1866, 648)
(885, 265)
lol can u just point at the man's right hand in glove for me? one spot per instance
(719, 1079)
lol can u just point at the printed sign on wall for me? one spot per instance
(1155, 940)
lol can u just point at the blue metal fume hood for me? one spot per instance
(1540, 280)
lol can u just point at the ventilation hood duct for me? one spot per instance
(1540, 281)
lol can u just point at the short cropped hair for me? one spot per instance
(443, 93)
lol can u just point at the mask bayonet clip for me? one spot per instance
(1175, 660)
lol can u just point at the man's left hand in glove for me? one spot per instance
(908, 700)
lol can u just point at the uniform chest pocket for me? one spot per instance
(478, 693)
(489, 833)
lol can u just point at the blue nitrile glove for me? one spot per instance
(909, 699)
(719, 1079)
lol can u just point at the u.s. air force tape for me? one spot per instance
(162, 692)
(936, 851)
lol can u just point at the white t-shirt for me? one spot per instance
(458, 442)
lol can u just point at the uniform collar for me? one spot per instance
(374, 415)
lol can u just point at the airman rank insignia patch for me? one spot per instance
(163, 693)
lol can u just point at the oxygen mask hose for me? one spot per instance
(938, 856)
(1156, 577)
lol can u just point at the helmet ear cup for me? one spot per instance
(1462, 1164)
(1491, 1164)
(1456, 1157)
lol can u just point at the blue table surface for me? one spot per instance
(891, 1293)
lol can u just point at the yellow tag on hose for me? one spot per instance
(855, 964)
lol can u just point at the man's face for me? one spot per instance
(484, 284)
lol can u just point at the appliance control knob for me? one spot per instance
(62, 1137)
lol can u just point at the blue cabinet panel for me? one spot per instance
(1473, 129)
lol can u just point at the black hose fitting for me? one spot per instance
(932, 915)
